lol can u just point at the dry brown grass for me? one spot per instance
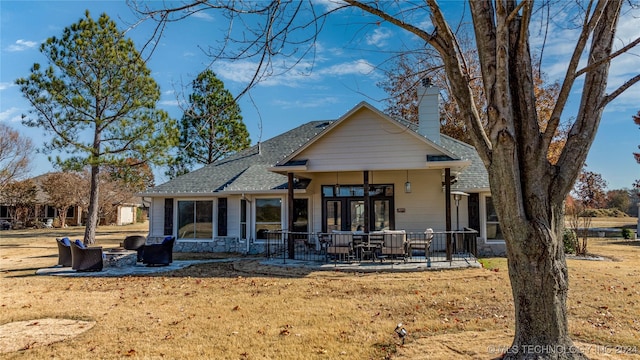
(244, 310)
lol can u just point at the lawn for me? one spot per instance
(245, 310)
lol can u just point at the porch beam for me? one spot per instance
(290, 205)
(447, 202)
(365, 177)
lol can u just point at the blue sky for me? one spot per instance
(343, 73)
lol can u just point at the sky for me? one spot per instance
(344, 71)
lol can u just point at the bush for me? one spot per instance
(626, 233)
(569, 239)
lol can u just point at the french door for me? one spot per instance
(347, 213)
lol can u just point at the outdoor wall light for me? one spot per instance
(407, 185)
(401, 331)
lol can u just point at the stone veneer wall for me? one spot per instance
(218, 245)
(491, 250)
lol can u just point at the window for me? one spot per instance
(195, 220)
(268, 216)
(300, 215)
(493, 225)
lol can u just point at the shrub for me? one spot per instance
(626, 233)
(569, 239)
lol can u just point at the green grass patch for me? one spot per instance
(496, 264)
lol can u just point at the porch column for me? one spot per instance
(365, 177)
(447, 202)
(290, 244)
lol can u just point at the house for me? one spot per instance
(40, 212)
(312, 179)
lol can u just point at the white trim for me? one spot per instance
(483, 220)
(213, 222)
(254, 223)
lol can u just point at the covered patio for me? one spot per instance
(379, 247)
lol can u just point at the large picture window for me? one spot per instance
(268, 216)
(195, 219)
(493, 224)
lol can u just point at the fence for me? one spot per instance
(418, 247)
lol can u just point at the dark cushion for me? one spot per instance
(167, 239)
(80, 244)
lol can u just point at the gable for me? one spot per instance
(365, 140)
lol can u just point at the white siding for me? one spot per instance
(366, 142)
(424, 206)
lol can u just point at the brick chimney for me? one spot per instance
(429, 110)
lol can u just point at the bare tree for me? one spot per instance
(15, 155)
(528, 189)
(20, 197)
(62, 192)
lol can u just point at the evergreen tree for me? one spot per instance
(210, 128)
(97, 99)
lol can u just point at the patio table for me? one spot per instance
(119, 257)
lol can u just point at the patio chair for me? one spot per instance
(394, 245)
(341, 246)
(135, 242)
(159, 254)
(64, 252)
(86, 258)
(421, 244)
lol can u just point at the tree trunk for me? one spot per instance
(92, 215)
(539, 278)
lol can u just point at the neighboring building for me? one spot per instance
(41, 210)
(313, 179)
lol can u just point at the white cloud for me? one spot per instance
(22, 45)
(379, 37)
(6, 85)
(329, 5)
(169, 102)
(357, 67)
(202, 15)
(319, 102)
(10, 115)
(281, 74)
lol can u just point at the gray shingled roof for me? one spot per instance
(245, 170)
(475, 176)
(248, 170)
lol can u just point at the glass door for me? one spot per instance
(356, 221)
(333, 218)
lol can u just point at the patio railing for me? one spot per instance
(444, 246)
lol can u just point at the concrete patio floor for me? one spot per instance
(365, 266)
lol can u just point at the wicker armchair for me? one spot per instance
(64, 252)
(159, 254)
(135, 242)
(87, 258)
